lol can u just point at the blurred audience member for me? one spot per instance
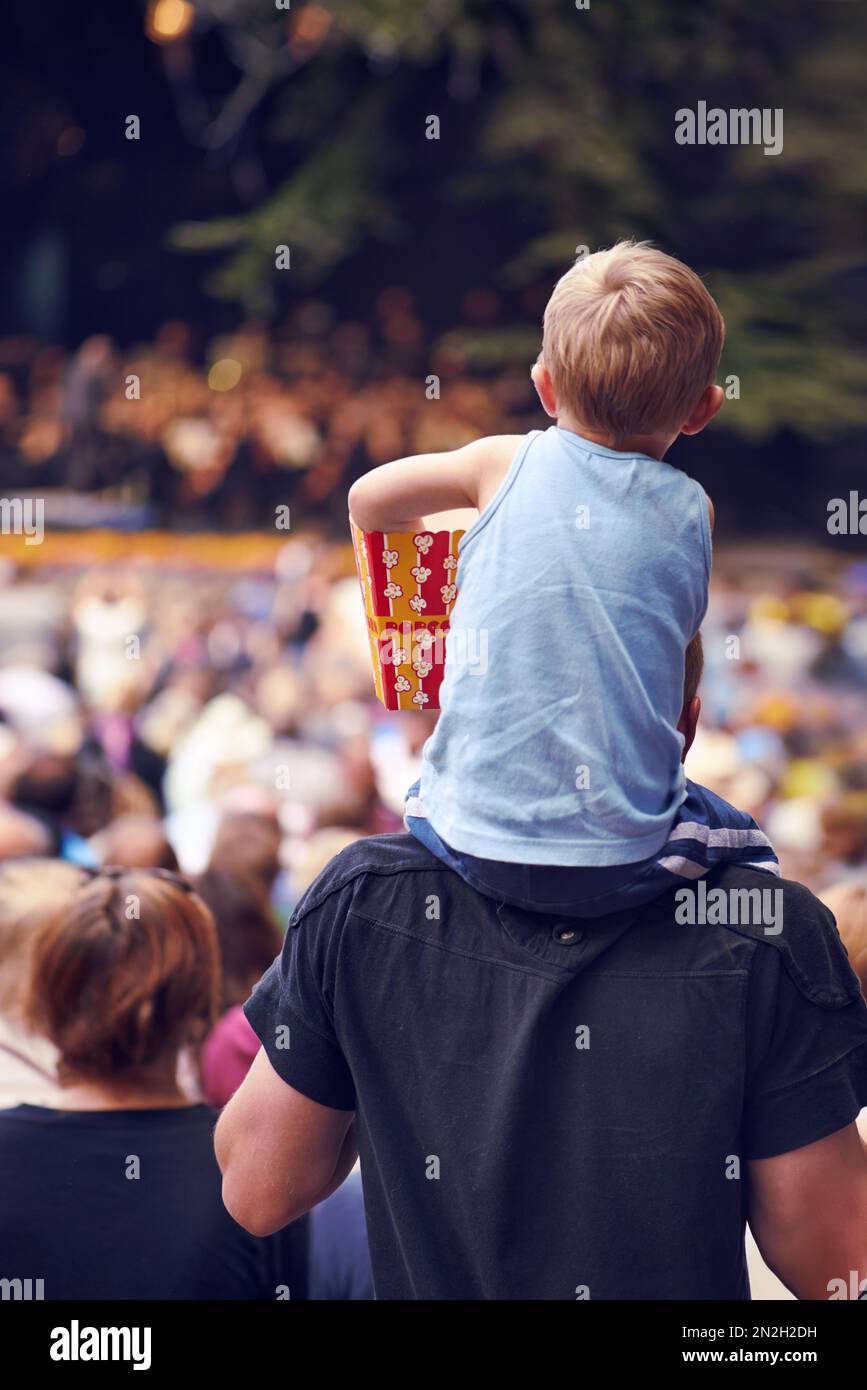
(120, 1169)
(247, 845)
(844, 825)
(135, 842)
(32, 891)
(22, 835)
(249, 940)
(313, 855)
(848, 902)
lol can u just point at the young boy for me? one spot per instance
(553, 779)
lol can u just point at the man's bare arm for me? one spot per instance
(808, 1213)
(280, 1153)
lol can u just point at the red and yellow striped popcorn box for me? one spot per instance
(408, 586)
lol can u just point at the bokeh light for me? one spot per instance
(225, 374)
(168, 20)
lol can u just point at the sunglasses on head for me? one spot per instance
(118, 871)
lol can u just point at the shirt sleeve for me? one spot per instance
(291, 1010)
(807, 1055)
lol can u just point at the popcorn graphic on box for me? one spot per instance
(408, 586)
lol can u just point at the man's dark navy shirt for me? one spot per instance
(552, 1109)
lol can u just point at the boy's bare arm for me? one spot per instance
(398, 496)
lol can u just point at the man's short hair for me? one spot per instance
(631, 339)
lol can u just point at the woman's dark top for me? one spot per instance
(126, 1204)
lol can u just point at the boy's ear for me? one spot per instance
(541, 379)
(711, 401)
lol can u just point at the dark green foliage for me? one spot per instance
(563, 119)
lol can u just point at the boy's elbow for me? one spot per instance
(369, 506)
(358, 506)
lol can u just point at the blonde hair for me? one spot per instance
(631, 339)
(848, 902)
(31, 891)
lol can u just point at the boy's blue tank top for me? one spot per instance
(580, 586)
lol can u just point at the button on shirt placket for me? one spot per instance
(568, 936)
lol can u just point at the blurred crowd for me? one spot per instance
(213, 724)
(134, 697)
(219, 434)
(220, 724)
(182, 695)
(784, 726)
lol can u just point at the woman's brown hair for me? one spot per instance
(125, 975)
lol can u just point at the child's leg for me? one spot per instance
(557, 889)
(708, 832)
(463, 864)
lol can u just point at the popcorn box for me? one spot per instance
(408, 586)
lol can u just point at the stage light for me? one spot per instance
(168, 20)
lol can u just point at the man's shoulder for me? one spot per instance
(376, 856)
(784, 916)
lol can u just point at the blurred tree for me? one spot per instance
(561, 122)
